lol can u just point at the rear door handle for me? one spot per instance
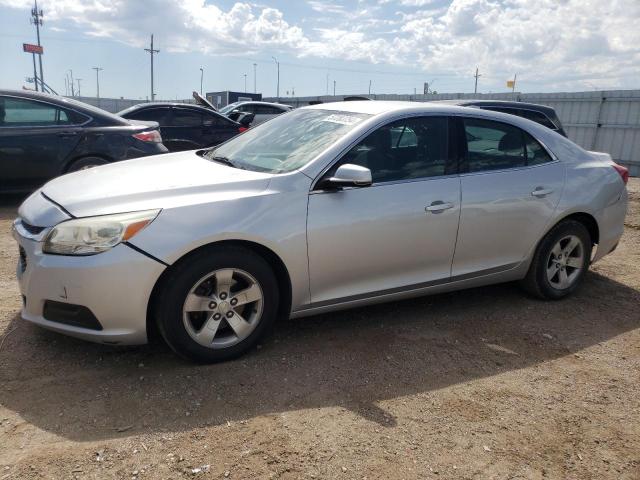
(438, 206)
(541, 192)
(67, 134)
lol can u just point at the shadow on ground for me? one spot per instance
(353, 359)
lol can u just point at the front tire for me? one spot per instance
(560, 262)
(217, 304)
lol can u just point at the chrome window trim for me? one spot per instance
(89, 118)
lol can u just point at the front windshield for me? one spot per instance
(228, 108)
(288, 141)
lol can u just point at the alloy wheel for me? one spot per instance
(565, 262)
(223, 308)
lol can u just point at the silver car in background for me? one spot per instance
(323, 208)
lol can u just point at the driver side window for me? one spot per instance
(404, 150)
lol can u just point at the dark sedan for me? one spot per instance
(185, 126)
(541, 114)
(43, 136)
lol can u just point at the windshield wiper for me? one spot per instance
(223, 160)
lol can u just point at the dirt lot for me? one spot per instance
(485, 383)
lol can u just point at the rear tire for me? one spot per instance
(560, 262)
(217, 304)
(85, 162)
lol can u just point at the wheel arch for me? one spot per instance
(280, 270)
(588, 220)
(73, 160)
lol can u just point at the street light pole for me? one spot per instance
(278, 84)
(201, 77)
(245, 83)
(255, 90)
(97, 69)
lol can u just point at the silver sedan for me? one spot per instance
(322, 208)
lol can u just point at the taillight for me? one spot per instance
(242, 129)
(149, 136)
(623, 171)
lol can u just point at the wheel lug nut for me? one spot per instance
(212, 305)
(223, 295)
(217, 316)
(234, 301)
(229, 314)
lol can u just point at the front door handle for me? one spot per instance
(541, 192)
(438, 206)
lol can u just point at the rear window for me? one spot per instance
(20, 112)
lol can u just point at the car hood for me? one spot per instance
(161, 181)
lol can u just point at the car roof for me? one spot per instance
(378, 107)
(258, 102)
(471, 102)
(65, 102)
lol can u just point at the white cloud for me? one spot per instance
(556, 41)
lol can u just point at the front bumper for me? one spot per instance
(114, 285)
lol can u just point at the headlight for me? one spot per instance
(91, 235)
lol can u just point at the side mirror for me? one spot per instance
(349, 175)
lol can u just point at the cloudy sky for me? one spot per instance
(552, 45)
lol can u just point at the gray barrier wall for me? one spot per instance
(605, 121)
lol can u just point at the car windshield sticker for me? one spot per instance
(342, 119)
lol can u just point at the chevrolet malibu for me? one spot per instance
(323, 208)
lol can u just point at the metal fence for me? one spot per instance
(604, 121)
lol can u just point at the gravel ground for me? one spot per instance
(484, 383)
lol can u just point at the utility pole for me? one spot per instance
(37, 21)
(334, 88)
(97, 69)
(201, 78)
(245, 83)
(327, 92)
(35, 72)
(369, 87)
(152, 51)
(255, 90)
(475, 90)
(73, 88)
(513, 88)
(78, 80)
(278, 88)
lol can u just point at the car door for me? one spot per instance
(154, 114)
(400, 232)
(36, 141)
(217, 129)
(184, 130)
(510, 187)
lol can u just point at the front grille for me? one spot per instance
(32, 229)
(23, 259)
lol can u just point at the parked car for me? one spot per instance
(537, 113)
(43, 136)
(324, 208)
(185, 126)
(263, 111)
